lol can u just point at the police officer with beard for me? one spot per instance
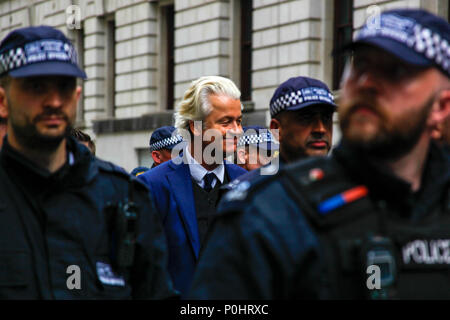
(372, 221)
(71, 226)
(302, 110)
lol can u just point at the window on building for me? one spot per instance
(144, 157)
(343, 32)
(170, 52)
(246, 50)
(110, 66)
(167, 55)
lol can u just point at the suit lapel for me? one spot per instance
(181, 183)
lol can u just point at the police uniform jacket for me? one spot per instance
(303, 234)
(171, 187)
(58, 240)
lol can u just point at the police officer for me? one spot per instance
(139, 170)
(255, 148)
(71, 226)
(302, 110)
(373, 220)
(162, 141)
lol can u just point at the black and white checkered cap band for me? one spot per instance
(409, 32)
(255, 139)
(304, 95)
(167, 142)
(37, 51)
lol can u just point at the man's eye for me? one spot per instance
(66, 86)
(360, 64)
(34, 86)
(398, 72)
(327, 118)
(305, 118)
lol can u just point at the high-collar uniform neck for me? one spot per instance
(384, 185)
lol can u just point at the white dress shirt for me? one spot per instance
(198, 172)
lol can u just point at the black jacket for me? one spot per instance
(270, 241)
(50, 223)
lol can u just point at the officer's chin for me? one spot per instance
(317, 152)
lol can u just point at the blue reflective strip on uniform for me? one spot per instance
(331, 204)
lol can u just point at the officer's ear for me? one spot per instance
(275, 128)
(3, 103)
(78, 93)
(436, 132)
(441, 108)
(241, 156)
(156, 156)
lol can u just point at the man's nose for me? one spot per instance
(236, 128)
(53, 99)
(368, 80)
(318, 125)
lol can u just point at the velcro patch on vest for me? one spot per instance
(342, 199)
(107, 276)
(426, 254)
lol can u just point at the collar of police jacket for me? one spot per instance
(385, 185)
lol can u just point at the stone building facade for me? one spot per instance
(141, 55)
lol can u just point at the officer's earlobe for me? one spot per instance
(3, 103)
(436, 132)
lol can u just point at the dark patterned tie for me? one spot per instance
(208, 178)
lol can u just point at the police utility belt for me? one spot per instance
(368, 253)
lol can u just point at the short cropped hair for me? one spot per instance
(83, 137)
(196, 106)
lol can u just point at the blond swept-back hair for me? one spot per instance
(195, 105)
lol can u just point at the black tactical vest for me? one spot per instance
(368, 250)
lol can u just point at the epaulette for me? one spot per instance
(110, 167)
(324, 192)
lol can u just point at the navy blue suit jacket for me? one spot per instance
(171, 187)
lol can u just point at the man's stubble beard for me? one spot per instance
(392, 140)
(29, 137)
(291, 153)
